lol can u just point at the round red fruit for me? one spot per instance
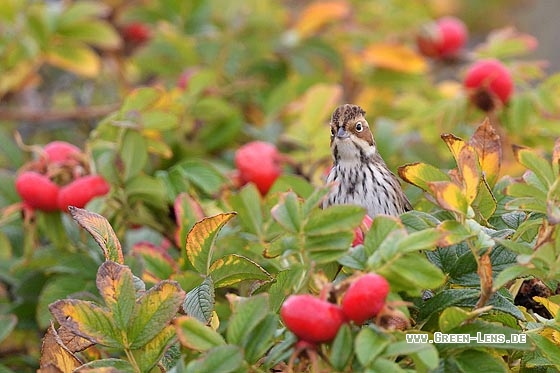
(60, 151)
(37, 191)
(365, 297)
(136, 32)
(82, 190)
(311, 319)
(491, 77)
(360, 231)
(258, 162)
(442, 38)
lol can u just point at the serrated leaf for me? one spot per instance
(287, 212)
(449, 196)
(200, 240)
(195, 335)
(333, 219)
(380, 229)
(247, 313)
(261, 339)
(149, 355)
(199, 302)
(452, 233)
(154, 310)
(328, 248)
(187, 212)
(486, 142)
(158, 263)
(133, 153)
(452, 317)
(547, 348)
(203, 175)
(101, 231)
(88, 320)
(421, 175)
(234, 268)
(410, 273)
(248, 204)
(116, 286)
(55, 354)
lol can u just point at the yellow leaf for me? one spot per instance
(449, 196)
(395, 57)
(486, 142)
(320, 13)
(55, 354)
(549, 305)
(200, 240)
(75, 57)
(454, 143)
(470, 173)
(421, 174)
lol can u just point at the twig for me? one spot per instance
(39, 116)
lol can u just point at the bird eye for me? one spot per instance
(359, 127)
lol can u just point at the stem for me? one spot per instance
(132, 360)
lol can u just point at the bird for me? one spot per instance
(359, 175)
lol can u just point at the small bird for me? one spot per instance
(359, 175)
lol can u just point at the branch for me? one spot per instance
(39, 116)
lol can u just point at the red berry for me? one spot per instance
(258, 162)
(365, 297)
(311, 319)
(60, 151)
(442, 38)
(136, 32)
(489, 77)
(37, 191)
(82, 190)
(359, 231)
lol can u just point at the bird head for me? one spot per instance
(351, 137)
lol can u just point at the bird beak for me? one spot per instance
(342, 133)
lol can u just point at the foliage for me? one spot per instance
(184, 269)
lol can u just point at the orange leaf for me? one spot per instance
(55, 354)
(320, 13)
(449, 196)
(395, 57)
(421, 174)
(486, 142)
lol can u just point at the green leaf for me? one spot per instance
(234, 268)
(329, 247)
(452, 317)
(197, 336)
(369, 345)
(288, 212)
(283, 286)
(296, 183)
(411, 273)
(247, 314)
(248, 204)
(479, 361)
(200, 240)
(149, 355)
(453, 233)
(116, 286)
(199, 302)
(261, 339)
(93, 32)
(223, 359)
(133, 153)
(7, 324)
(154, 310)
(146, 188)
(336, 218)
(203, 175)
(101, 231)
(534, 162)
(159, 120)
(445, 299)
(341, 349)
(88, 320)
(140, 99)
(417, 241)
